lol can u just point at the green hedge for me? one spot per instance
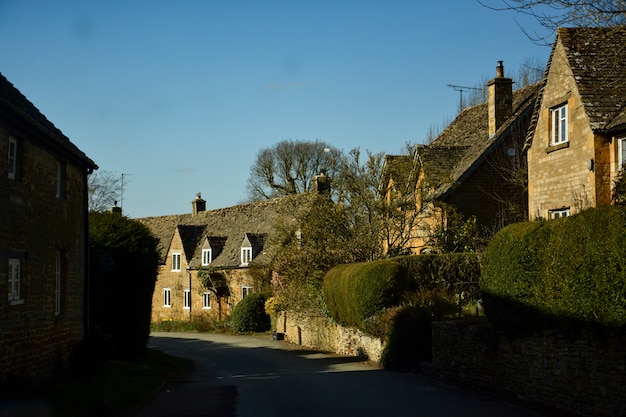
(249, 315)
(441, 271)
(558, 273)
(354, 292)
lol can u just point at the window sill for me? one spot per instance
(167, 306)
(553, 148)
(16, 302)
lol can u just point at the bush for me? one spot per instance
(123, 262)
(567, 273)
(409, 340)
(250, 316)
(355, 292)
(436, 272)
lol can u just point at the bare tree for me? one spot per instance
(552, 14)
(289, 168)
(104, 189)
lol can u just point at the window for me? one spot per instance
(14, 280)
(187, 299)
(245, 291)
(558, 117)
(246, 255)
(167, 297)
(175, 261)
(57, 286)
(12, 158)
(206, 300)
(60, 180)
(621, 153)
(206, 257)
(555, 214)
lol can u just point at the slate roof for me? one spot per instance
(458, 151)
(598, 61)
(13, 101)
(226, 229)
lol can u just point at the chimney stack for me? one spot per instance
(500, 91)
(115, 208)
(198, 205)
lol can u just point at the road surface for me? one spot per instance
(254, 377)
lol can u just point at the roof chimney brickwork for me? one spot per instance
(500, 90)
(198, 205)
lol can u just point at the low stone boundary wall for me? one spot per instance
(323, 334)
(584, 376)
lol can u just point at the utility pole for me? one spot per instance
(461, 89)
(122, 191)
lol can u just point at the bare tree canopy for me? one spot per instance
(104, 189)
(552, 14)
(289, 168)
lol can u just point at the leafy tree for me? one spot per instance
(289, 167)
(123, 262)
(103, 189)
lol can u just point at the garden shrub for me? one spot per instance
(565, 273)
(123, 262)
(355, 292)
(249, 315)
(408, 340)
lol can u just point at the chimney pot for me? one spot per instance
(500, 99)
(198, 204)
(500, 70)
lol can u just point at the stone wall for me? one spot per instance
(584, 375)
(324, 334)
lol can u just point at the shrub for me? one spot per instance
(409, 340)
(123, 261)
(567, 273)
(435, 272)
(355, 292)
(250, 316)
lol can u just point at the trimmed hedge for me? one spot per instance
(249, 315)
(565, 273)
(354, 292)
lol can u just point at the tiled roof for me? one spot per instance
(15, 102)
(225, 227)
(598, 61)
(464, 144)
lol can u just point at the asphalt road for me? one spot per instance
(255, 377)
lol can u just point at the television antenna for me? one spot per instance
(461, 89)
(122, 191)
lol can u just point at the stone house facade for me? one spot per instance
(211, 260)
(43, 241)
(577, 141)
(476, 166)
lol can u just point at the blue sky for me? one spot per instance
(181, 95)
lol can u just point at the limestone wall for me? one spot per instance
(584, 375)
(323, 334)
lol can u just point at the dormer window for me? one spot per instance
(558, 120)
(175, 261)
(621, 153)
(246, 255)
(206, 257)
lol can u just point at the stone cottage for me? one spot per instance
(212, 259)
(476, 166)
(43, 241)
(577, 141)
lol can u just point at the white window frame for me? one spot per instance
(621, 153)
(564, 212)
(246, 255)
(206, 300)
(59, 180)
(246, 290)
(57, 285)
(559, 122)
(167, 297)
(15, 281)
(187, 299)
(12, 158)
(176, 261)
(207, 257)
